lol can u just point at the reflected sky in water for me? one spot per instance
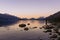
(14, 32)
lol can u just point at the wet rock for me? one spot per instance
(28, 24)
(48, 27)
(34, 27)
(44, 31)
(43, 26)
(22, 25)
(26, 29)
(58, 33)
(54, 24)
(56, 30)
(48, 31)
(40, 27)
(53, 39)
(58, 38)
(54, 36)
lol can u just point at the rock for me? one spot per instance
(34, 27)
(48, 27)
(48, 30)
(58, 33)
(28, 24)
(54, 36)
(56, 30)
(44, 31)
(53, 39)
(58, 38)
(50, 33)
(40, 27)
(26, 29)
(22, 25)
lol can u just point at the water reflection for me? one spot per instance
(30, 32)
(8, 23)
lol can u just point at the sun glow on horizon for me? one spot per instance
(29, 8)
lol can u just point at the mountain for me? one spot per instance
(32, 19)
(41, 18)
(6, 19)
(23, 19)
(54, 18)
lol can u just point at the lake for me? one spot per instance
(14, 32)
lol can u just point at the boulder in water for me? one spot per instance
(26, 29)
(54, 36)
(34, 27)
(22, 25)
(28, 24)
(48, 30)
(48, 27)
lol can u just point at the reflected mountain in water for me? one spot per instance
(6, 19)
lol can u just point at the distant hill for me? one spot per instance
(54, 18)
(32, 19)
(40, 18)
(23, 19)
(6, 19)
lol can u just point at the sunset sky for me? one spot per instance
(29, 8)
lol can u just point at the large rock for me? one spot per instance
(22, 25)
(54, 36)
(26, 29)
(47, 26)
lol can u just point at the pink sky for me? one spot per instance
(29, 8)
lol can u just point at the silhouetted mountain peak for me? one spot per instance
(55, 17)
(6, 19)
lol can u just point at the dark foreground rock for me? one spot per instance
(53, 36)
(34, 27)
(26, 29)
(58, 38)
(28, 24)
(22, 25)
(48, 27)
(48, 31)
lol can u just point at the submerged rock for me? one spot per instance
(56, 30)
(34, 27)
(58, 38)
(58, 33)
(26, 29)
(22, 25)
(48, 30)
(50, 33)
(48, 27)
(54, 36)
(28, 24)
(40, 27)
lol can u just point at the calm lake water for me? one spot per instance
(14, 32)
